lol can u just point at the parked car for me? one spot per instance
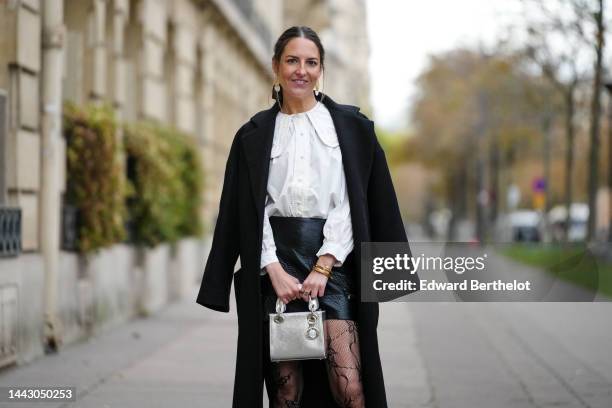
(525, 225)
(579, 216)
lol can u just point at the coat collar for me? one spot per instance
(269, 115)
(357, 150)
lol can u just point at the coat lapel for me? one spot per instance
(257, 145)
(356, 149)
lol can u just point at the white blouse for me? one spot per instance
(306, 179)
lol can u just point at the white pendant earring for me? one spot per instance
(277, 95)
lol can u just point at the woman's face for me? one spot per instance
(299, 68)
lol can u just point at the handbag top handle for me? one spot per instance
(313, 305)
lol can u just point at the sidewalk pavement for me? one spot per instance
(434, 355)
(183, 356)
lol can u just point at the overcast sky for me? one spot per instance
(403, 33)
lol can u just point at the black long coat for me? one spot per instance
(375, 216)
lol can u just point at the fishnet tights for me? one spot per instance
(288, 382)
(343, 369)
(343, 363)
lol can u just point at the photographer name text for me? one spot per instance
(471, 284)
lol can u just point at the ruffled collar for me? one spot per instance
(300, 114)
(318, 116)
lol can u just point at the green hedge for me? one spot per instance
(167, 178)
(95, 182)
(161, 199)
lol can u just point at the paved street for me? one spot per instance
(509, 355)
(434, 355)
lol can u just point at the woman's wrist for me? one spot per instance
(327, 261)
(274, 268)
(324, 265)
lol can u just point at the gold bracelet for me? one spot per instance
(323, 270)
(328, 276)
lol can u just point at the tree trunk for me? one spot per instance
(546, 127)
(452, 196)
(595, 125)
(494, 181)
(569, 157)
(610, 166)
(481, 227)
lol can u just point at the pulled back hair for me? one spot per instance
(283, 40)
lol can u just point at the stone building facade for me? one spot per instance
(203, 66)
(342, 26)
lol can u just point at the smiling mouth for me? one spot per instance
(300, 81)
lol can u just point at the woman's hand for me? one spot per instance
(285, 286)
(315, 282)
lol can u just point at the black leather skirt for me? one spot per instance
(297, 241)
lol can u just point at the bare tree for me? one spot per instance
(597, 16)
(556, 44)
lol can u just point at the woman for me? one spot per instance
(306, 183)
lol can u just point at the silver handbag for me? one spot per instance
(297, 336)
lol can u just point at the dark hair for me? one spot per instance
(288, 35)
